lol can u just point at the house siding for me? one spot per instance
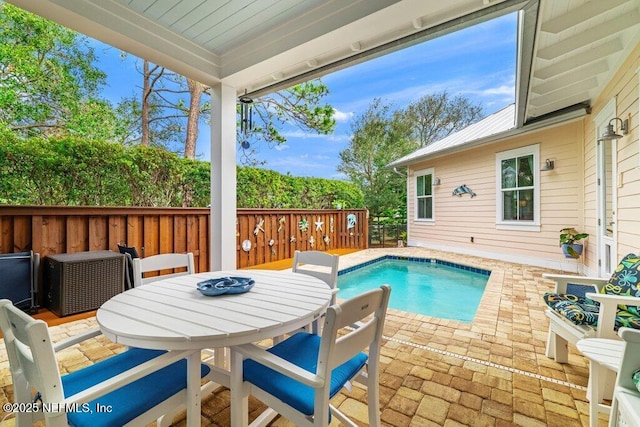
(457, 219)
(567, 193)
(623, 87)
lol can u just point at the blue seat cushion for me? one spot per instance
(128, 402)
(300, 349)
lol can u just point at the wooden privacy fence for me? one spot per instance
(274, 234)
(51, 230)
(266, 235)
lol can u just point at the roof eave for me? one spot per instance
(565, 117)
(527, 33)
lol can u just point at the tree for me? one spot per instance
(172, 106)
(300, 106)
(49, 84)
(168, 110)
(439, 115)
(380, 136)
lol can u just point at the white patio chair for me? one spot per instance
(321, 265)
(297, 377)
(161, 262)
(625, 407)
(135, 387)
(318, 264)
(572, 318)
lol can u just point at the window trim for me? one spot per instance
(416, 174)
(510, 154)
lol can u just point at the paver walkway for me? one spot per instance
(491, 372)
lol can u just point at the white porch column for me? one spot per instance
(223, 178)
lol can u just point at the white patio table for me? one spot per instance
(171, 314)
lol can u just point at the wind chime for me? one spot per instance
(246, 118)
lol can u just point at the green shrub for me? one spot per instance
(75, 172)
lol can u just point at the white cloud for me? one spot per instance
(309, 135)
(500, 90)
(340, 116)
(281, 147)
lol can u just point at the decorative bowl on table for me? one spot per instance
(225, 285)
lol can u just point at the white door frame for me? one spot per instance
(607, 246)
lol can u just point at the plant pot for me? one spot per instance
(572, 251)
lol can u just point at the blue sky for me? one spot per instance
(477, 63)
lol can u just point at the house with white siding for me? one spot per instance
(531, 180)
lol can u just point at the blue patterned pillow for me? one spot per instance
(625, 281)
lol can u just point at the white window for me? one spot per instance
(424, 194)
(518, 189)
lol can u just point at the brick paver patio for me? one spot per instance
(491, 372)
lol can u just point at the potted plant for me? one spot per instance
(569, 238)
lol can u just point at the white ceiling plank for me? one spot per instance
(226, 18)
(579, 15)
(542, 107)
(160, 7)
(183, 8)
(594, 34)
(255, 27)
(557, 82)
(570, 62)
(141, 5)
(579, 85)
(209, 11)
(588, 81)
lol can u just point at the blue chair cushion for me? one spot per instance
(300, 349)
(128, 402)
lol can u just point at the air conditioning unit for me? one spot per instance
(82, 281)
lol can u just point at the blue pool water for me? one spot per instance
(429, 288)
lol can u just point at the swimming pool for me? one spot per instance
(424, 286)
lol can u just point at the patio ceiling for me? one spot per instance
(579, 45)
(260, 45)
(568, 49)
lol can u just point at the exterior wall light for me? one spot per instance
(610, 134)
(548, 165)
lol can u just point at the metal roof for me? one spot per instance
(496, 123)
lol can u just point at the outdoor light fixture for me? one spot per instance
(548, 165)
(436, 181)
(246, 113)
(610, 134)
